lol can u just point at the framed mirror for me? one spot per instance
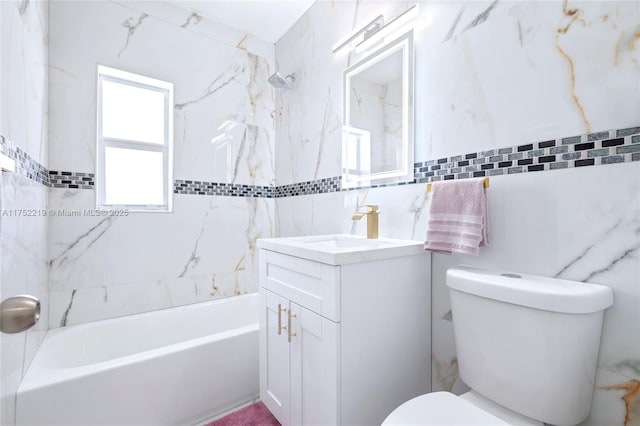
(377, 131)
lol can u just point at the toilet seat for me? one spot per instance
(440, 409)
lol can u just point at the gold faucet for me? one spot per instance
(372, 220)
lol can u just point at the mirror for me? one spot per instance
(377, 131)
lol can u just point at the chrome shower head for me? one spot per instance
(282, 83)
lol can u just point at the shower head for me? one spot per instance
(282, 83)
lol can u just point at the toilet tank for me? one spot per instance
(528, 343)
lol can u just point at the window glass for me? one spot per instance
(132, 113)
(133, 177)
(134, 142)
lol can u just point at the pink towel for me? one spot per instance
(458, 217)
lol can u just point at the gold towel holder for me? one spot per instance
(485, 183)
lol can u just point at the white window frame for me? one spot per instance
(114, 75)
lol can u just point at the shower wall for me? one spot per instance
(101, 266)
(23, 196)
(493, 81)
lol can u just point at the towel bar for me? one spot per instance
(485, 183)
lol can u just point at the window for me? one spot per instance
(135, 142)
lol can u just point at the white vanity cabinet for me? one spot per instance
(344, 340)
(301, 370)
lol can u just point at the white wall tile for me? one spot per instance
(529, 72)
(23, 121)
(151, 261)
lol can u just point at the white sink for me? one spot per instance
(335, 243)
(341, 249)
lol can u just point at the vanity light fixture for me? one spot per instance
(359, 35)
(371, 38)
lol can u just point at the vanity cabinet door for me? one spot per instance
(314, 368)
(275, 355)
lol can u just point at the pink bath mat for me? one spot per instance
(253, 415)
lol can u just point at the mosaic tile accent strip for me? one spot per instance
(321, 186)
(594, 149)
(26, 165)
(72, 180)
(196, 187)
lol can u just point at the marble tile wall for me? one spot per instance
(23, 130)
(107, 266)
(491, 75)
(25, 164)
(595, 149)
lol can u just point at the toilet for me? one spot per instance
(527, 347)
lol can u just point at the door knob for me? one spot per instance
(19, 313)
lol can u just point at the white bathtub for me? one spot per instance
(176, 366)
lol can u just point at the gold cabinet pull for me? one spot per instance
(280, 326)
(291, 333)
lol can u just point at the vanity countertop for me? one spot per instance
(341, 249)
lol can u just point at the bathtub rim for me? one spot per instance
(69, 336)
(40, 375)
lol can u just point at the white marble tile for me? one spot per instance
(444, 361)
(491, 75)
(70, 307)
(609, 406)
(23, 120)
(23, 237)
(23, 270)
(475, 98)
(221, 82)
(309, 117)
(540, 223)
(310, 215)
(585, 232)
(219, 75)
(491, 98)
(201, 25)
(216, 238)
(602, 245)
(215, 233)
(23, 74)
(408, 202)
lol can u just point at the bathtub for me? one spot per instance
(176, 366)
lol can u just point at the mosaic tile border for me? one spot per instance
(196, 187)
(320, 186)
(26, 165)
(594, 149)
(77, 180)
(72, 180)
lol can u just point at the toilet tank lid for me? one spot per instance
(549, 294)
